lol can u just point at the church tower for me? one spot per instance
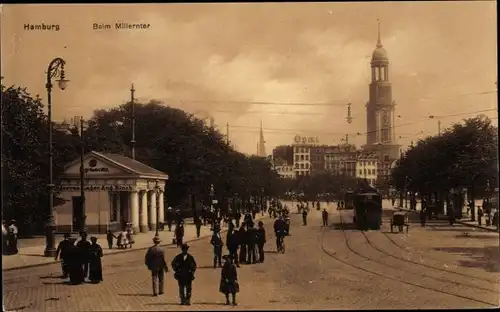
(261, 146)
(380, 109)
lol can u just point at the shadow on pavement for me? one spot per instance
(270, 251)
(486, 258)
(31, 255)
(207, 267)
(59, 283)
(476, 236)
(207, 303)
(136, 295)
(163, 303)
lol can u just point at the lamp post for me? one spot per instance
(55, 70)
(157, 189)
(79, 126)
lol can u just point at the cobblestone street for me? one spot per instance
(433, 267)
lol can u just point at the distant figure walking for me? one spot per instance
(229, 280)
(184, 267)
(156, 263)
(324, 215)
(62, 252)
(95, 264)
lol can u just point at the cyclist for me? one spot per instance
(279, 231)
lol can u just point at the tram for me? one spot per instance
(367, 214)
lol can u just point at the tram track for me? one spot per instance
(372, 272)
(420, 252)
(372, 245)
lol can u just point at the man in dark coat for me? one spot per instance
(62, 253)
(198, 223)
(216, 241)
(156, 263)
(170, 218)
(232, 244)
(242, 241)
(179, 233)
(184, 267)
(84, 246)
(324, 215)
(304, 216)
(237, 218)
(261, 240)
(251, 243)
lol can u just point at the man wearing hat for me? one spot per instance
(156, 263)
(216, 241)
(184, 267)
(62, 253)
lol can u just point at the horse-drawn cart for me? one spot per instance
(400, 220)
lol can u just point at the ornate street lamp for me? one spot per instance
(55, 70)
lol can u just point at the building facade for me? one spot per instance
(381, 108)
(341, 159)
(117, 190)
(367, 167)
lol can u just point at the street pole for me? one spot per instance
(55, 69)
(157, 189)
(439, 127)
(82, 175)
(132, 100)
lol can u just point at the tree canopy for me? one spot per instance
(25, 156)
(465, 155)
(194, 155)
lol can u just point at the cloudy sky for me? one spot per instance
(241, 63)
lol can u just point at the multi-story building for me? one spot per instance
(341, 159)
(284, 153)
(366, 167)
(302, 159)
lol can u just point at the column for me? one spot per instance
(152, 211)
(161, 210)
(143, 225)
(387, 73)
(134, 211)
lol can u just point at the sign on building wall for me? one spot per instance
(306, 139)
(97, 188)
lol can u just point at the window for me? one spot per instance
(301, 157)
(113, 211)
(301, 166)
(364, 172)
(296, 157)
(307, 157)
(360, 172)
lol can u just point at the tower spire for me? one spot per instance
(379, 42)
(261, 146)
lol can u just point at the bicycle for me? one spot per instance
(281, 246)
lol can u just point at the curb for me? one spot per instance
(114, 253)
(457, 221)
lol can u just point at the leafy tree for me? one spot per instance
(465, 155)
(173, 141)
(25, 158)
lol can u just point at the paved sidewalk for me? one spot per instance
(464, 221)
(32, 256)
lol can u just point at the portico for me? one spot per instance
(118, 190)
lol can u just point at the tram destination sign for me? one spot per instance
(97, 188)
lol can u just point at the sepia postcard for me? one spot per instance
(250, 156)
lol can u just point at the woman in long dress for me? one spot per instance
(75, 265)
(229, 280)
(95, 270)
